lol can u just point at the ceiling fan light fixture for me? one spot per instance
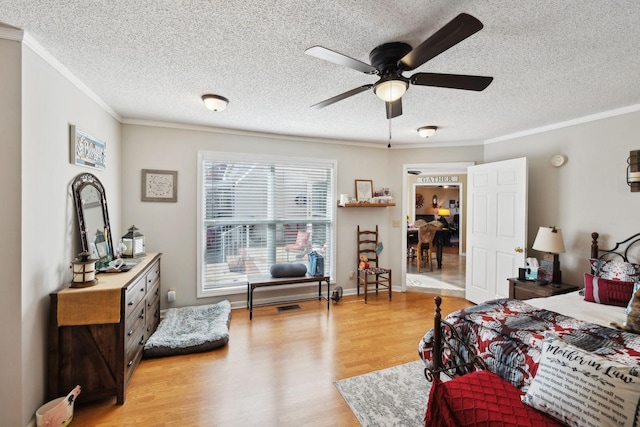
(215, 102)
(427, 131)
(390, 90)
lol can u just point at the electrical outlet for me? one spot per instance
(395, 223)
(352, 274)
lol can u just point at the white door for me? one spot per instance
(496, 227)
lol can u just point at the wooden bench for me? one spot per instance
(262, 280)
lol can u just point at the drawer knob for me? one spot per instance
(130, 363)
(130, 333)
(141, 341)
(130, 303)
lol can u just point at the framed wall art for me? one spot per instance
(159, 185)
(86, 150)
(364, 189)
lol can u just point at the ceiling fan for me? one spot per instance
(390, 60)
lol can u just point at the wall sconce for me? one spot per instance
(427, 131)
(84, 271)
(134, 243)
(633, 171)
(215, 102)
(549, 240)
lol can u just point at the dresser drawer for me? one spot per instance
(133, 352)
(153, 308)
(135, 324)
(153, 274)
(135, 293)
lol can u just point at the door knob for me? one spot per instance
(519, 249)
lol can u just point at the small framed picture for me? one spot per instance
(364, 189)
(159, 185)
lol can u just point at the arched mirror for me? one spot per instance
(93, 217)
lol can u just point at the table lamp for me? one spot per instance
(444, 212)
(549, 240)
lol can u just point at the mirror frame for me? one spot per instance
(79, 183)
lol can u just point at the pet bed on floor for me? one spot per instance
(190, 330)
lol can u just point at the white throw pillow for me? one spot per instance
(581, 389)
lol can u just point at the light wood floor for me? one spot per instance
(277, 370)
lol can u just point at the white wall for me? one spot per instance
(589, 193)
(170, 228)
(10, 243)
(48, 238)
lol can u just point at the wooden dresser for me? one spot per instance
(97, 334)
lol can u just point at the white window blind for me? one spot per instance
(256, 212)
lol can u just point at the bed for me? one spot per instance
(511, 337)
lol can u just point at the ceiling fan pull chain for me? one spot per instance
(389, 145)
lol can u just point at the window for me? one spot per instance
(255, 211)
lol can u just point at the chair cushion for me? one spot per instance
(481, 398)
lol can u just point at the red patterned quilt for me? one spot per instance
(507, 334)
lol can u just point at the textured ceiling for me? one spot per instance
(552, 61)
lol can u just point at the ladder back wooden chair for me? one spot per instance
(368, 245)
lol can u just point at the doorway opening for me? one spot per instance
(436, 191)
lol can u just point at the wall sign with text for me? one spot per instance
(86, 150)
(437, 179)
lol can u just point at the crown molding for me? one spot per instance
(57, 65)
(590, 118)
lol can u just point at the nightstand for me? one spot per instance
(525, 289)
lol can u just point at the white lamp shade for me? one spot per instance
(391, 90)
(215, 102)
(549, 239)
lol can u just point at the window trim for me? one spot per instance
(243, 157)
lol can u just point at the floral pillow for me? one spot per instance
(615, 270)
(605, 291)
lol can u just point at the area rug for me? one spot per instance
(390, 397)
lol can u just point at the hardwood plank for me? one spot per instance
(278, 369)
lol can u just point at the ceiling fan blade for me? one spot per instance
(342, 96)
(394, 109)
(340, 59)
(458, 29)
(453, 81)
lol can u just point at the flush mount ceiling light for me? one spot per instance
(390, 90)
(427, 131)
(215, 102)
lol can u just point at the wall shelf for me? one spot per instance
(366, 205)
